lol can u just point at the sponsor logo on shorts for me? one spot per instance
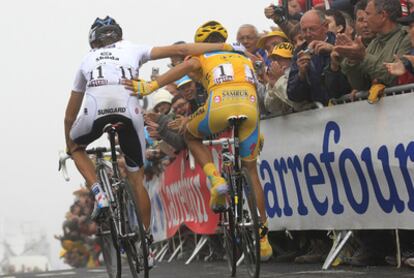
(111, 110)
(217, 99)
(85, 111)
(252, 98)
(235, 94)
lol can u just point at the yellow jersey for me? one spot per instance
(225, 68)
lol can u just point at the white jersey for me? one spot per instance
(107, 101)
(110, 64)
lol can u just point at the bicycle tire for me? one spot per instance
(110, 244)
(230, 239)
(136, 248)
(228, 226)
(248, 229)
(110, 250)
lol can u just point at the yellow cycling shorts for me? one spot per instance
(222, 103)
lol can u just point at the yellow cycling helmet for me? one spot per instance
(208, 28)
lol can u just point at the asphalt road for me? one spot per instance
(219, 269)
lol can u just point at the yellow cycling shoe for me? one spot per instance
(266, 251)
(218, 192)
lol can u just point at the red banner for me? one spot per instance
(185, 197)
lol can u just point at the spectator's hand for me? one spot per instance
(151, 117)
(269, 12)
(274, 72)
(396, 68)
(303, 64)
(152, 130)
(343, 39)
(178, 124)
(321, 47)
(277, 14)
(355, 52)
(255, 58)
(140, 87)
(335, 61)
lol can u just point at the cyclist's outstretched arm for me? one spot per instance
(145, 88)
(187, 49)
(72, 109)
(178, 71)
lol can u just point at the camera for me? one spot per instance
(280, 15)
(308, 50)
(258, 66)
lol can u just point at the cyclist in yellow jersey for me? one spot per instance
(230, 82)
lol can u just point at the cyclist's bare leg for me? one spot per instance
(141, 195)
(204, 158)
(201, 153)
(85, 166)
(258, 190)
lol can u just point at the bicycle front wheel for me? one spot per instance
(248, 226)
(136, 246)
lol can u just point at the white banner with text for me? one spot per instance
(349, 166)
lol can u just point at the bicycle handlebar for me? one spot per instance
(64, 156)
(62, 165)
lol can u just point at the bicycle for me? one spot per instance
(240, 221)
(120, 229)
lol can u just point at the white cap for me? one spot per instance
(162, 95)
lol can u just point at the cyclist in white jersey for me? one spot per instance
(105, 100)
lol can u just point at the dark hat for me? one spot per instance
(406, 20)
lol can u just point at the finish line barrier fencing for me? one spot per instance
(342, 167)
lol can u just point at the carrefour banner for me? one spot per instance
(349, 166)
(180, 196)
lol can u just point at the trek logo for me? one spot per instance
(235, 94)
(111, 110)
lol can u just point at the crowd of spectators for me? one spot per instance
(80, 247)
(308, 56)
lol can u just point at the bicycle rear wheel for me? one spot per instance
(227, 222)
(248, 227)
(136, 247)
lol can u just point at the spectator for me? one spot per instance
(269, 40)
(191, 92)
(350, 25)
(172, 88)
(361, 23)
(336, 21)
(248, 36)
(162, 101)
(276, 100)
(306, 78)
(363, 67)
(403, 67)
(296, 36)
(169, 126)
